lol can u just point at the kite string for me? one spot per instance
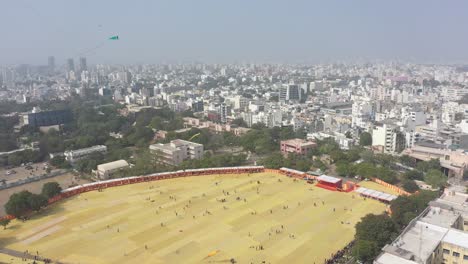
(91, 49)
(61, 30)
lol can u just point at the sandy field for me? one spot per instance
(206, 219)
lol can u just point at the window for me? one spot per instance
(465, 257)
(446, 251)
(456, 254)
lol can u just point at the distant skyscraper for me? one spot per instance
(83, 66)
(289, 92)
(70, 65)
(51, 63)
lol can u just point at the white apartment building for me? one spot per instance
(73, 156)
(177, 151)
(453, 93)
(106, 170)
(240, 102)
(386, 135)
(417, 116)
(361, 113)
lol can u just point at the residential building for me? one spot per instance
(106, 170)
(47, 118)
(388, 136)
(73, 156)
(438, 235)
(177, 151)
(297, 145)
(453, 162)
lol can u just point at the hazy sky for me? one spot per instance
(154, 31)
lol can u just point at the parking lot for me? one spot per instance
(65, 180)
(21, 172)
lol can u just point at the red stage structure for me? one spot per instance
(329, 183)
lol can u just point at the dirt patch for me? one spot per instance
(64, 180)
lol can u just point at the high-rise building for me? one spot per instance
(70, 65)
(51, 63)
(223, 113)
(83, 66)
(197, 106)
(290, 92)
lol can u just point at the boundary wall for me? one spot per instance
(152, 177)
(147, 178)
(391, 186)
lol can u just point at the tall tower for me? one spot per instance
(51, 63)
(70, 65)
(83, 66)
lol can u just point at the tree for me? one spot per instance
(367, 156)
(37, 201)
(435, 178)
(317, 163)
(425, 166)
(239, 122)
(407, 161)
(51, 189)
(365, 250)
(365, 139)
(366, 170)
(343, 169)
(413, 175)
(385, 174)
(18, 204)
(409, 185)
(4, 222)
(273, 161)
(338, 155)
(354, 154)
(59, 162)
(376, 228)
(405, 208)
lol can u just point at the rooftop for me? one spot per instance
(297, 141)
(112, 165)
(329, 179)
(457, 238)
(421, 240)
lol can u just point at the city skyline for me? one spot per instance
(234, 32)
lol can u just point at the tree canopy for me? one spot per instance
(51, 189)
(365, 139)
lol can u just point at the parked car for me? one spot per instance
(10, 172)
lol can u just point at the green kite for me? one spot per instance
(114, 38)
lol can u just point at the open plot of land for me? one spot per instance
(196, 220)
(65, 181)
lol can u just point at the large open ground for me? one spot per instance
(187, 220)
